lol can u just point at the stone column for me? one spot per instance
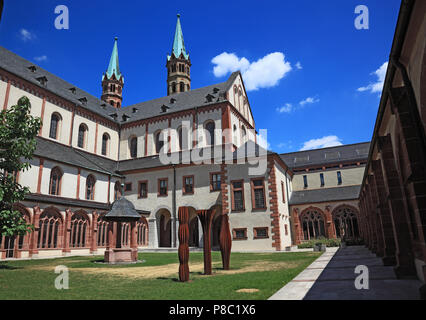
(134, 240)
(385, 217)
(376, 216)
(298, 232)
(404, 254)
(34, 235)
(331, 232)
(67, 231)
(94, 233)
(412, 161)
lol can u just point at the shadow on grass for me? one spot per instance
(4, 266)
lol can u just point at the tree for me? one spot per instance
(17, 145)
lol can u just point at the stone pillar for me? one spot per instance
(298, 232)
(67, 231)
(371, 219)
(404, 255)
(385, 217)
(34, 235)
(94, 233)
(376, 217)
(206, 217)
(412, 159)
(331, 232)
(153, 233)
(134, 240)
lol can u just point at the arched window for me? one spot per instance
(49, 235)
(82, 135)
(118, 104)
(142, 228)
(90, 187)
(125, 232)
(180, 137)
(159, 143)
(79, 230)
(243, 134)
(55, 181)
(236, 97)
(133, 147)
(235, 134)
(173, 87)
(102, 231)
(312, 224)
(117, 190)
(346, 223)
(111, 102)
(113, 87)
(210, 126)
(55, 121)
(105, 144)
(182, 87)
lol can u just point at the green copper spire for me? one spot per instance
(113, 68)
(178, 44)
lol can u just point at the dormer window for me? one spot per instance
(114, 116)
(103, 105)
(164, 108)
(215, 90)
(209, 98)
(124, 117)
(42, 80)
(32, 68)
(73, 90)
(172, 100)
(134, 110)
(83, 100)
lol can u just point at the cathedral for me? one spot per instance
(195, 148)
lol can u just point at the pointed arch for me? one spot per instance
(50, 229)
(312, 220)
(80, 226)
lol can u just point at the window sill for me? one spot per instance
(236, 239)
(238, 211)
(258, 209)
(257, 238)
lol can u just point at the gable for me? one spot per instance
(237, 96)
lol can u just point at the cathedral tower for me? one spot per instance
(113, 81)
(178, 64)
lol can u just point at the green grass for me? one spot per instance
(28, 279)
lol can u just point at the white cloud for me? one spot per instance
(308, 100)
(298, 65)
(378, 85)
(26, 35)
(263, 73)
(228, 62)
(324, 142)
(41, 58)
(287, 108)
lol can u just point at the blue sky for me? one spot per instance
(325, 86)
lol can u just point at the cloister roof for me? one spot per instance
(349, 152)
(324, 195)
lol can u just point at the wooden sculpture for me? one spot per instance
(206, 218)
(183, 251)
(225, 241)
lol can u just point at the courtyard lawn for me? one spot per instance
(257, 275)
